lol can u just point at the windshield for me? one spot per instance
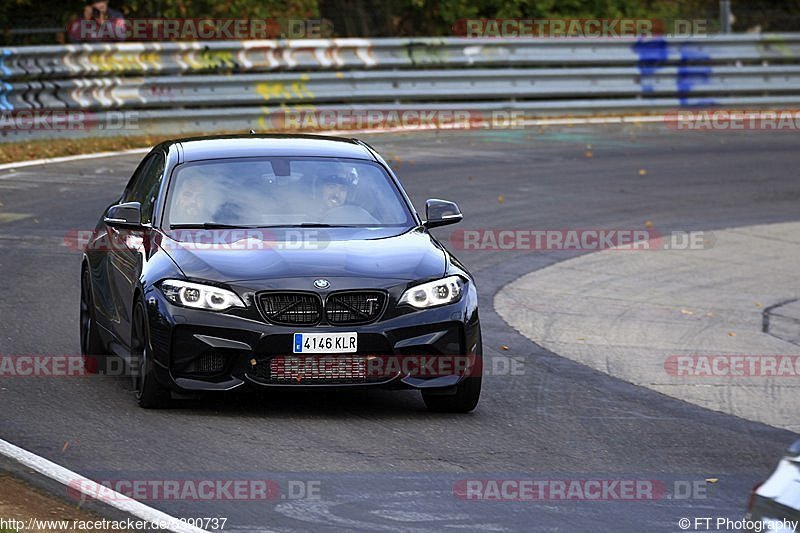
(281, 191)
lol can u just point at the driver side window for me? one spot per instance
(145, 185)
(136, 179)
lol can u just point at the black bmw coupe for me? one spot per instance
(282, 261)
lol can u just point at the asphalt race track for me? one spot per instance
(378, 460)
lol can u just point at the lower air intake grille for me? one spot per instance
(209, 363)
(297, 370)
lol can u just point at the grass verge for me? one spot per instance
(12, 152)
(22, 502)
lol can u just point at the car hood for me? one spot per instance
(240, 255)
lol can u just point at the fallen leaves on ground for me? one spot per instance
(48, 148)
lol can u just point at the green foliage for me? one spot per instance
(440, 15)
(263, 9)
(383, 18)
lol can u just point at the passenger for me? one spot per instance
(192, 203)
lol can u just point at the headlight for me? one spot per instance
(199, 296)
(433, 293)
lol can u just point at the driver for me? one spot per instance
(334, 190)
(337, 198)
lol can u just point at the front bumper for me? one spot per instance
(196, 350)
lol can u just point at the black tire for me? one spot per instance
(467, 393)
(95, 361)
(150, 394)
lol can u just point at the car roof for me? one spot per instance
(270, 145)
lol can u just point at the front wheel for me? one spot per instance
(94, 360)
(149, 392)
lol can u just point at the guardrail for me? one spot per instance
(90, 60)
(206, 83)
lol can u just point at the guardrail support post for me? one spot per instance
(725, 16)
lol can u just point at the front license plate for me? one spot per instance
(325, 343)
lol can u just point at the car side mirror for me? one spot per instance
(794, 449)
(125, 215)
(441, 213)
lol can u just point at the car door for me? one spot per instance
(98, 254)
(126, 254)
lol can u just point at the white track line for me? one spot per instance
(87, 487)
(32, 162)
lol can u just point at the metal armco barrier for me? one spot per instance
(205, 84)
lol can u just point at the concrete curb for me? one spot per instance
(632, 314)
